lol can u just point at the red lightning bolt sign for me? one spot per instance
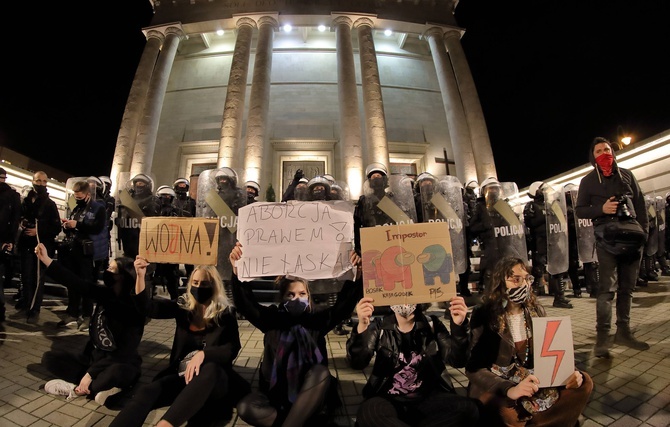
(552, 327)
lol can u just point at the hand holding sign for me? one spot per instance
(364, 310)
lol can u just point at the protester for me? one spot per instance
(199, 382)
(500, 366)
(10, 215)
(294, 380)
(409, 383)
(610, 196)
(110, 361)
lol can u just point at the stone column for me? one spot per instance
(145, 144)
(458, 127)
(125, 142)
(259, 99)
(481, 144)
(351, 150)
(233, 110)
(375, 123)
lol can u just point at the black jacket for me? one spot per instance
(383, 339)
(43, 210)
(272, 321)
(10, 213)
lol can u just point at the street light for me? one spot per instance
(622, 139)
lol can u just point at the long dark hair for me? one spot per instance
(496, 297)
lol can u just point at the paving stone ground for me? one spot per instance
(631, 389)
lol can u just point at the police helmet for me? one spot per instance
(148, 184)
(534, 188)
(95, 181)
(254, 185)
(424, 177)
(375, 167)
(490, 181)
(303, 181)
(180, 183)
(329, 177)
(106, 183)
(226, 175)
(319, 180)
(472, 184)
(165, 190)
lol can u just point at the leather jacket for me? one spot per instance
(383, 339)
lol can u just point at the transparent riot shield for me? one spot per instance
(339, 190)
(651, 247)
(557, 230)
(393, 204)
(220, 196)
(586, 240)
(660, 224)
(70, 201)
(133, 203)
(508, 229)
(442, 201)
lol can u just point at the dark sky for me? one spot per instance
(551, 75)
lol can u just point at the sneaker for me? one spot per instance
(102, 396)
(68, 322)
(60, 388)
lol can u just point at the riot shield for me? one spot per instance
(651, 247)
(220, 196)
(660, 224)
(393, 204)
(132, 205)
(586, 240)
(70, 201)
(339, 190)
(557, 230)
(442, 201)
(508, 229)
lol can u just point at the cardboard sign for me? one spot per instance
(553, 351)
(312, 240)
(408, 264)
(179, 240)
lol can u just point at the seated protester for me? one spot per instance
(409, 384)
(294, 381)
(110, 361)
(501, 344)
(200, 376)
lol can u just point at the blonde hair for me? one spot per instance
(219, 302)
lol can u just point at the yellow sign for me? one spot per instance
(408, 264)
(179, 240)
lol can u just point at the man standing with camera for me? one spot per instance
(39, 220)
(611, 197)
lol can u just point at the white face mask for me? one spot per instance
(403, 310)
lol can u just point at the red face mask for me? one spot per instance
(605, 161)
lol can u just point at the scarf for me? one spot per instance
(297, 351)
(605, 161)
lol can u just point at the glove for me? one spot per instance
(298, 175)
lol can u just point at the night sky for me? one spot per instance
(551, 75)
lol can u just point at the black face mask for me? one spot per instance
(113, 280)
(296, 306)
(250, 199)
(81, 202)
(377, 183)
(202, 294)
(166, 201)
(318, 195)
(141, 191)
(40, 189)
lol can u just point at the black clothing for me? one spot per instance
(220, 341)
(129, 222)
(410, 395)
(10, 215)
(41, 212)
(124, 318)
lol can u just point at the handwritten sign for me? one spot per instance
(408, 264)
(553, 350)
(312, 240)
(179, 240)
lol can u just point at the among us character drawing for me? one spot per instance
(393, 267)
(437, 265)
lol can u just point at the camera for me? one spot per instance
(622, 210)
(27, 224)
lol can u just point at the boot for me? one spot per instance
(651, 268)
(642, 273)
(558, 284)
(624, 336)
(602, 347)
(665, 268)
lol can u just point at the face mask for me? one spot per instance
(519, 295)
(403, 310)
(202, 294)
(297, 306)
(140, 191)
(377, 183)
(113, 280)
(40, 189)
(166, 201)
(180, 190)
(250, 199)
(318, 195)
(81, 202)
(605, 161)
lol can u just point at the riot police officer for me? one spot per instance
(183, 203)
(166, 274)
(130, 212)
(253, 191)
(318, 189)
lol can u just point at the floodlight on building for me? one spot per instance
(219, 32)
(321, 28)
(287, 28)
(388, 33)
